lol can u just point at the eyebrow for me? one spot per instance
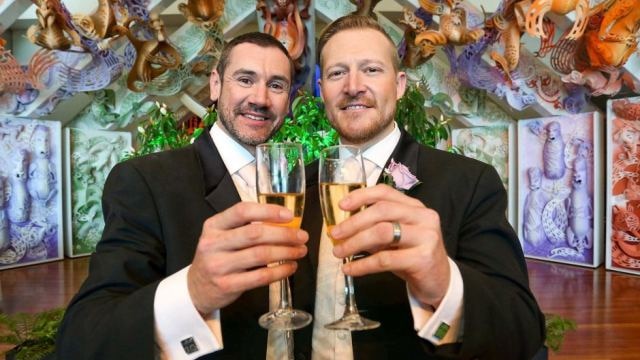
(360, 63)
(254, 74)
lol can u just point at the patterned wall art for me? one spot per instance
(495, 146)
(623, 185)
(91, 154)
(559, 181)
(30, 192)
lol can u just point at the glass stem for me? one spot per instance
(350, 307)
(285, 294)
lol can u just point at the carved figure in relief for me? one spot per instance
(615, 39)
(101, 26)
(52, 31)
(553, 152)
(626, 109)
(41, 173)
(19, 199)
(153, 57)
(5, 240)
(203, 13)
(626, 229)
(626, 165)
(14, 80)
(579, 207)
(534, 203)
(537, 10)
(365, 7)
(285, 23)
(453, 28)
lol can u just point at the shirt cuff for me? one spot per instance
(445, 324)
(181, 333)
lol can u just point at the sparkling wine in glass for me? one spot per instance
(280, 180)
(342, 171)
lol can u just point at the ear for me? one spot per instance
(319, 81)
(214, 85)
(401, 84)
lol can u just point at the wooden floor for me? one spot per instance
(605, 304)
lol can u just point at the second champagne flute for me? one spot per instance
(342, 171)
(280, 180)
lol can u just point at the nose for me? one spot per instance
(260, 96)
(354, 84)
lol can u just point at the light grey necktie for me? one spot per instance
(247, 182)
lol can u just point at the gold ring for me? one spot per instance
(397, 233)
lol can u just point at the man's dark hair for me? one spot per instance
(353, 22)
(256, 38)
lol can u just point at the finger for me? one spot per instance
(244, 213)
(395, 260)
(257, 256)
(385, 211)
(372, 239)
(256, 234)
(240, 282)
(370, 195)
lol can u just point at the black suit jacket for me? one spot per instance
(154, 210)
(501, 317)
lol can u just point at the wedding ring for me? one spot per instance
(397, 233)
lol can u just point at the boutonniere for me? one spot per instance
(399, 176)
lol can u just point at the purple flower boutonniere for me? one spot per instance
(399, 176)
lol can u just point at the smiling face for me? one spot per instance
(360, 85)
(253, 96)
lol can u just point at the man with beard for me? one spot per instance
(443, 270)
(182, 260)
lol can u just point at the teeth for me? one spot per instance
(254, 117)
(352, 107)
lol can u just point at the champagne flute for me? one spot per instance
(342, 171)
(280, 181)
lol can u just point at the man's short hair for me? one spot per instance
(354, 22)
(257, 38)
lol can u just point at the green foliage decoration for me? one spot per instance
(33, 334)
(556, 327)
(411, 115)
(309, 126)
(161, 131)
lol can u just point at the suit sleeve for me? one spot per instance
(502, 319)
(111, 317)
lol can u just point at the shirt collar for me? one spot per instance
(379, 152)
(234, 155)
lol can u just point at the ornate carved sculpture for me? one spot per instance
(285, 23)
(203, 13)
(154, 57)
(101, 26)
(365, 7)
(52, 30)
(13, 79)
(615, 39)
(453, 29)
(536, 11)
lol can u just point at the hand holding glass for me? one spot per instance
(342, 171)
(280, 181)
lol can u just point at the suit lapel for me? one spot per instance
(239, 319)
(220, 191)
